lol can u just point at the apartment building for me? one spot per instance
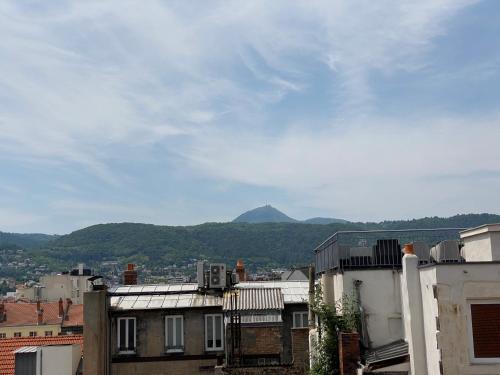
(430, 307)
(185, 328)
(40, 319)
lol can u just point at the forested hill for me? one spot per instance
(269, 244)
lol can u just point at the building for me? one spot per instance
(432, 311)
(185, 328)
(45, 319)
(71, 284)
(14, 347)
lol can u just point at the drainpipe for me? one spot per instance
(365, 338)
(411, 296)
(312, 317)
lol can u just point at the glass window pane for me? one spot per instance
(131, 334)
(296, 321)
(178, 331)
(210, 332)
(218, 331)
(305, 319)
(123, 335)
(170, 332)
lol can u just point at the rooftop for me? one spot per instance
(9, 346)
(24, 314)
(486, 228)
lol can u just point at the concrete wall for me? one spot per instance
(64, 286)
(60, 359)
(380, 293)
(458, 284)
(95, 333)
(25, 330)
(477, 248)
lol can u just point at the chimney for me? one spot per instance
(39, 313)
(61, 309)
(69, 302)
(3, 314)
(349, 353)
(240, 270)
(80, 269)
(130, 275)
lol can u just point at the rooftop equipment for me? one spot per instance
(446, 252)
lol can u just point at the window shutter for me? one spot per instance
(486, 330)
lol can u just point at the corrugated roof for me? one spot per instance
(26, 349)
(9, 346)
(164, 301)
(393, 350)
(255, 299)
(293, 291)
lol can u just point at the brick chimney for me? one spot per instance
(69, 302)
(240, 270)
(3, 314)
(39, 313)
(61, 308)
(349, 353)
(130, 275)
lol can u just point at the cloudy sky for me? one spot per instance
(181, 112)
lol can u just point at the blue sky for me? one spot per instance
(182, 112)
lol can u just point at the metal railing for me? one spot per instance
(378, 248)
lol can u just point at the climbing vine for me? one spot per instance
(343, 317)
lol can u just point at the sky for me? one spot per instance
(183, 112)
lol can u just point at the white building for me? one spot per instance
(437, 316)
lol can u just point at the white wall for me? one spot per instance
(380, 294)
(477, 248)
(64, 286)
(456, 285)
(59, 360)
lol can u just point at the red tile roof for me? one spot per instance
(75, 316)
(21, 314)
(8, 346)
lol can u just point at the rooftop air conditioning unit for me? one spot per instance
(217, 275)
(422, 251)
(446, 252)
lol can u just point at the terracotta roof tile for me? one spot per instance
(8, 346)
(20, 314)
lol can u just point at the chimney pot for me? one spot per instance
(408, 249)
(240, 270)
(39, 313)
(130, 267)
(61, 308)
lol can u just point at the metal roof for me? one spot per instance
(162, 301)
(153, 289)
(293, 291)
(393, 350)
(255, 299)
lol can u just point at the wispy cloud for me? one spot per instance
(212, 90)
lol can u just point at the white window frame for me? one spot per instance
(178, 348)
(472, 357)
(214, 348)
(33, 334)
(17, 334)
(126, 318)
(301, 313)
(3, 335)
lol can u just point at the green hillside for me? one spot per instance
(264, 244)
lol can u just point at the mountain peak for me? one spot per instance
(264, 214)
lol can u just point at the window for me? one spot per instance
(174, 333)
(213, 332)
(33, 334)
(300, 319)
(3, 335)
(126, 335)
(484, 329)
(17, 334)
(48, 333)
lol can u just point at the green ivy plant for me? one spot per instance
(343, 317)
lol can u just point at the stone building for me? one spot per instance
(185, 329)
